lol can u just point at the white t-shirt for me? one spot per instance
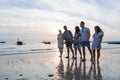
(84, 33)
(96, 40)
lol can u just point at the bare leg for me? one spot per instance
(72, 52)
(98, 54)
(75, 53)
(67, 52)
(90, 52)
(83, 48)
(80, 53)
(94, 55)
(61, 51)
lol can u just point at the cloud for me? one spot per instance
(47, 16)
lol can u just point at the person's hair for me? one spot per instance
(82, 22)
(98, 29)
(59, 30)
(77, 29)
(64, 26)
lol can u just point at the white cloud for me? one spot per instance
(44, 15)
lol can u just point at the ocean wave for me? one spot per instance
(111, 48)
(27, 52)
(39, 49)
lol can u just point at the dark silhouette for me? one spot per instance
(19, 42)
(68, 37)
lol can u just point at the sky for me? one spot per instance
(41, 19)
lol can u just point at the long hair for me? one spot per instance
(77, 29)
(98, 29)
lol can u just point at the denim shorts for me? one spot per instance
(85, 43)
(69, 44)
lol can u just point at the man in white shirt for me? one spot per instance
(85, 33)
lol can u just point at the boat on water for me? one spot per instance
(46, 42)
(113, 42)
(2, 42)
(19, 42)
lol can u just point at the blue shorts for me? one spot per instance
(85, 43)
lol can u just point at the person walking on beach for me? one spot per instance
(96, 44)
(85, 33)
(76, 41)
(60, 42)
(68, 37)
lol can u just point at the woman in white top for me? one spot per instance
(96, 44)
(60, 42)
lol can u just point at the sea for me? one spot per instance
(11, 48)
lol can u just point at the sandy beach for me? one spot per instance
(49, 66)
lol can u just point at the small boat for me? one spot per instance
(19, 43)
(2, 42)
(46, 42)
(113, 42)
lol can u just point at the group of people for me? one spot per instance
(80, 39)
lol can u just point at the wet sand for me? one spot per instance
(49, 66)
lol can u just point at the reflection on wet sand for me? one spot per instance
(69, 70)
(76, 70)
(94, 72)
(60, 70)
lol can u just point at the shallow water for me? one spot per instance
(10, 48)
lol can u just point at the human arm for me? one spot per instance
(101, 37)
(80, 37)
(57, 36)
(88, 35)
